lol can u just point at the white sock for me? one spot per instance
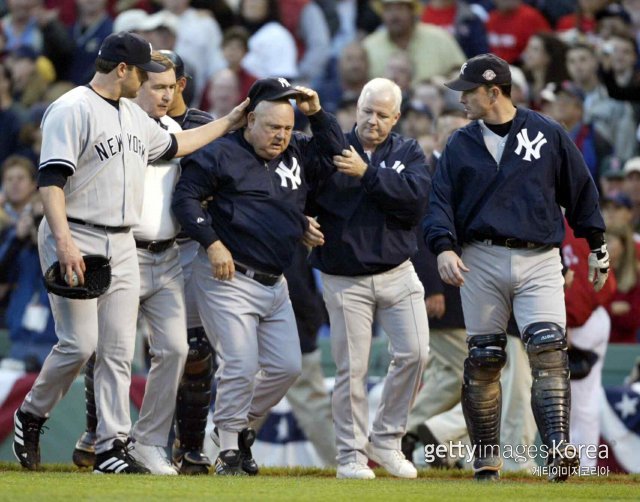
(228, 440)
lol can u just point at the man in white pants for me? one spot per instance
(161, 286)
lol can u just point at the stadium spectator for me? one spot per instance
(29, 319)
(461, 21)
(567, 108)
(344, 80)
(198, 42)
(625, 304)
(11, 116)
(510, 26)
(28, 23)
(631, 187)
(431, 49)
(580, 24)
(400, 70)
(223, 93)
(92, 26)
(544, 61)
(614, 120)
(306, 21)
(30, 75)
(272, 48)
(235, 45)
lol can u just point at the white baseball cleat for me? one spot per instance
(393, 461)
(354, 470)
(153, 458)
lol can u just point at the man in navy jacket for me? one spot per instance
(368, 211)
(256, 180)
(498, 194)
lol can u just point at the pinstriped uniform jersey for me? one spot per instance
(106, 149)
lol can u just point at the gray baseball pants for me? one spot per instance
(395, 299)
(105, 325)
(529, 279)
(162, 305)
(254, 331)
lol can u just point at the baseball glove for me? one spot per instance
(97, 279)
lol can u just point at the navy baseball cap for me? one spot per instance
(270, 89)
(177, 62)
(484, 69)
(129, 48)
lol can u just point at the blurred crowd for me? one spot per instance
(575, 60)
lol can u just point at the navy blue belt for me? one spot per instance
(510, 242)
(106, 228)
(155, 246)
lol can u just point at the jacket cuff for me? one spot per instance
(595, 240)
(442, 244)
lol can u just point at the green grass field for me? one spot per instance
(62, 482)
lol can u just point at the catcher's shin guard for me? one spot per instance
(482, 401)
(546, 345)
(194, 397)
(89, 395)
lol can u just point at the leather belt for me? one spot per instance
(106, 228)
(261, 277)
(155, 246)
(510, 242)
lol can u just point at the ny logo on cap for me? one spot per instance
(463, 68)
(284, 82)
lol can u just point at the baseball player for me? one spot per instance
(497, 194)
(96, 146)
(194, 390)
(368, 211)
(258, 178)
(588, 329)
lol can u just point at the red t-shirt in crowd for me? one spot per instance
(624, 311)
(580, 298)
(443, 17)
(570, 21)
(509, 32)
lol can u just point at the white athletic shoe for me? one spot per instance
(153, 458)
(354, 470)
(393, 461)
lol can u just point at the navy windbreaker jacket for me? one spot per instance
(256, 206)
(369, 223)
(541, 169)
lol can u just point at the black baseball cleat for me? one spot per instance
(229, 463)
(191, 463)
(486, 476)
(487, 469)
(84, 454)
(26, 439)
(246, 438)
(563, 463)
(117, 460)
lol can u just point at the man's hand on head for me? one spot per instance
(307, 100)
